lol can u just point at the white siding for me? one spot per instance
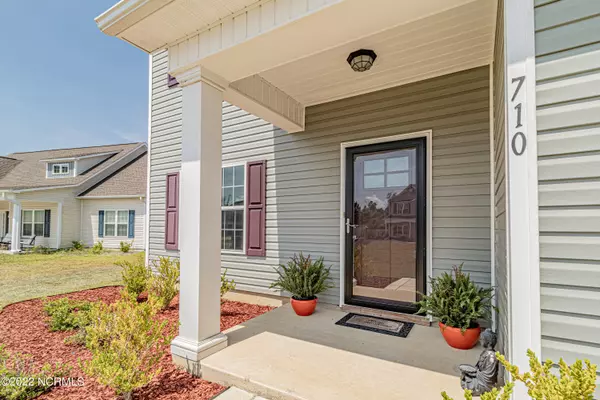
(303, 169)
(89, 223)
(71, 213)
(568, 120)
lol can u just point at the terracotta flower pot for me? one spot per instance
(459, 340)
(304, 308)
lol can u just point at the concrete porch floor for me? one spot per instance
(282, 356)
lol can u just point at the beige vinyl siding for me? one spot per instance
(89, 223)
(71, 213)
(568, 122)
(500, 197)
(164, 149)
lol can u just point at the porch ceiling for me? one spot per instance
(453, 40)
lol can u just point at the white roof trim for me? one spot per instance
(127, 13)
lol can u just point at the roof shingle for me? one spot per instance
(30, 172)
(128, 181)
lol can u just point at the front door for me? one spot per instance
(385, 225)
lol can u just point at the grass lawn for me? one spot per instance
(28, 276)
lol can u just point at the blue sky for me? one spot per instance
(65, 83)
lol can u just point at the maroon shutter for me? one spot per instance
(172, 213)
(256, 208)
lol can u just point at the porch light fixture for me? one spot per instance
(361, 60)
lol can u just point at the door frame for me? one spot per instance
(428, 135)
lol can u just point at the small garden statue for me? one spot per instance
(482, 377)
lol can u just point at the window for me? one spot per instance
(60, 169)
(389, 172)
(116, 223)
(232, 208)
(401, 208)
(33, 223)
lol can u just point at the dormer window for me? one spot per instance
(60, 169)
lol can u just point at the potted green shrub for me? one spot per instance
(458, 304)
(304, 279)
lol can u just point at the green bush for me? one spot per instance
(127, 343)
(226, 284)
(456, 301)
(98, 247)
(18, 381)
(126, 246)
(303, 277)
(77, 245)
(575, 382)
(164, 283)
(41, 250)
(68, 314)
(135, 275)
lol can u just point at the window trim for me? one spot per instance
(60, 167)
(232, 208)
(32, 223)
(116, 223)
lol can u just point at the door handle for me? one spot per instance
(349, 225)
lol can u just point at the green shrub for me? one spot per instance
(575, 382)
(135, 275)
(456, 301)
(303, 277)
(98, 247)
(226, 284)
(68, 314)
(127, 343)
(164, 283)
(18, 381)
(126, 246)
(41, 250)
(77, 245)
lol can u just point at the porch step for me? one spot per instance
(280, 356)
(234, 393)
(282, 368)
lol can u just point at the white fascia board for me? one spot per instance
(43, 188)
(127, 13)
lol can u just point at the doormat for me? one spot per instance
(376, 324)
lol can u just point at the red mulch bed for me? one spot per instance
(23, 329)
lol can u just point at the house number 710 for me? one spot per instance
(519, 141)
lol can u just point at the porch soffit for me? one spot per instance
(297, 49)
(454, 40)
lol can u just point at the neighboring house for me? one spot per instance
(489, 109)
(54, 197)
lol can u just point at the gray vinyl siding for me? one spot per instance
(500, 197)
(303, 170)
(164, 150)
(568, 122)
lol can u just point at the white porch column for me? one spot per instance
(200, 222)
(59, 207)
(15, 244)
(522, 186)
